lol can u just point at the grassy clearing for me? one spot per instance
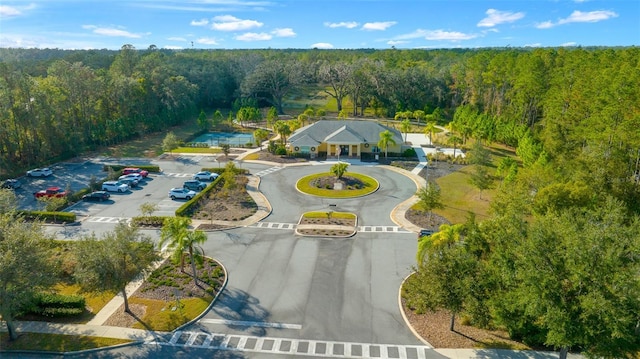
(460, 197)
(370, 185)
(56, 342)
(343, 215)
(167, 316)
(149, 145)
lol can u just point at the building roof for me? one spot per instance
(341, 132)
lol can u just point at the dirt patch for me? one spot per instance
(221, 204)
(434, 328)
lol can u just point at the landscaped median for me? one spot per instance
(330, 186)
(327, 224)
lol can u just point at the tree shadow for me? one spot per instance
(239, 306)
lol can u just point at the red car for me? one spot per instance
(51, 192)
(130, 170)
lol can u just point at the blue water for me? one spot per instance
(219, 138)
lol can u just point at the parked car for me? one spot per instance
(114, 186)
(39, 172)
(181, 193)
(138, 177)
(205, 176)
(11, 184)
(131, 182)
(51, 192)
(194, 185)
(425, 232)
(139, 171)
(96, 196)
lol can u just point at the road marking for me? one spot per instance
(296, 347)
(107, 219)
(267, 171)
(275, 225)
(383, 229)
(179, 175)
(251, 324)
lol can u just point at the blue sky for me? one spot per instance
(304, 24)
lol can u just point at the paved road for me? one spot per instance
(319, 296)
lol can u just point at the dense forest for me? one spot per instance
(557, 263)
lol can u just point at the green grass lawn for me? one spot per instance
(369, 185)
(460, 197)
(56, 342)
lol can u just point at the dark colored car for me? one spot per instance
(96, 196)
(194, 185)
(425, 232)
(11, 184)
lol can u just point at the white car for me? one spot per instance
(113, 186)
(205, 176)
(136, 176)
(39, 172)
(181, 193)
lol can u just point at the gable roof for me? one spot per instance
(342, 132)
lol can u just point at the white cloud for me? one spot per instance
(591, 16)
(568, 44)
(201, 22)
(448, 35)
(252, 36)
(207, 41)
(232, 23)
(7, 11)
(286, 32)
(497, 17)
(347, 24)
(373, 26)
(412, 35)
(537, 44)
(171, 47)
(396, 42)
(579, 16)
(545, 25)
(322, 45)
(110, 31)
(175, 38)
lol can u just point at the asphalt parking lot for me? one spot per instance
(153, 189)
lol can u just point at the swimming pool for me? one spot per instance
(218, 138)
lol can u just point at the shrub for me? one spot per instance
(66, 217)
(409, 152)
(281, 151)
(155, 221)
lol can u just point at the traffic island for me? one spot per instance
(327, 224)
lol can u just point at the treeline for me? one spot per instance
(56, 103)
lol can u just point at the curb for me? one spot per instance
(215, 299)
(404, 316)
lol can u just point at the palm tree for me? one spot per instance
(174, 234)
(386, 138)
(429, 129)
(446, 236)
(339, 169)
(455, 140)
(193, 238)
(283, 129)
(259, 136)
(405, 126)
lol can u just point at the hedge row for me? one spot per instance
(187, 209)
(118, 168)
(57, 305)
(66, 217)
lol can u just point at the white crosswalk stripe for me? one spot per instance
(382, 229)
(371, 229)
(267, 171)
(179, 175)
(295, 347)
(274, 225)
(107, 219)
